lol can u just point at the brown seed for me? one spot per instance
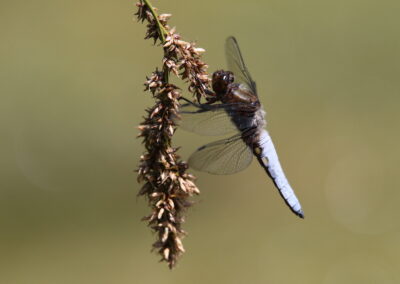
(160, 213)
(166, 253)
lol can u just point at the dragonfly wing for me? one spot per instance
(236, 64)
(205, 120)
(222, 157)
(212, 120)
(270, 162)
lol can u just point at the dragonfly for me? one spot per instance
(235, 109)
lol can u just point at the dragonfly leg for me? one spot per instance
(188, 101)
(211, 100)
(209, 92)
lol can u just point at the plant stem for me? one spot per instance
(161, 28)
(162, 32)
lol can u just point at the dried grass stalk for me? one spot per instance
(167, 185)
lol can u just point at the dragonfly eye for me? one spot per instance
(231, 78)
(228, 77)
(217, 75)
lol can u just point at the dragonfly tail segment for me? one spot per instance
(268, 159)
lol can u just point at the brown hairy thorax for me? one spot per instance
(227, 91)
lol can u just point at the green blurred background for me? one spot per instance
(71, 80)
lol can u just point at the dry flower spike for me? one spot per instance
(166, 184)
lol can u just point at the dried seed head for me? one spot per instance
(166, 184)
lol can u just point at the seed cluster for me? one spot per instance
(183, 59)
(180, 57)
(167, 185)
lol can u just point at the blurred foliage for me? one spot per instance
(72, 77)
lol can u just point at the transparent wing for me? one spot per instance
(214, 120)
(222, 157)
(236, 64)
(206, 120)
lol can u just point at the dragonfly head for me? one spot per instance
(220, 81)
